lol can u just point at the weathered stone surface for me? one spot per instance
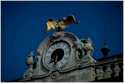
(75, 69)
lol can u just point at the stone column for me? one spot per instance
(108, 71)
(93, 74)
(116, 70)
(99, 73)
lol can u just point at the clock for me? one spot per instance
(59, 52)
(56, 55)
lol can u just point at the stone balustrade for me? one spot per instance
(106, 70)
(101, 70)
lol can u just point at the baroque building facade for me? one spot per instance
(63, 57)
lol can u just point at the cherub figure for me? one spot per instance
(87, 46)
(88, 49)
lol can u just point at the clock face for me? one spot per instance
(57, 55)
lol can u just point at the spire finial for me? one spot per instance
(105, 50)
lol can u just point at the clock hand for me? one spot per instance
(54, 59)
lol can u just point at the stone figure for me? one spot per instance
(30, 63)
(88, 49)
(87, 46)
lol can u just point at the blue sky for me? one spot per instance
(23, 26)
